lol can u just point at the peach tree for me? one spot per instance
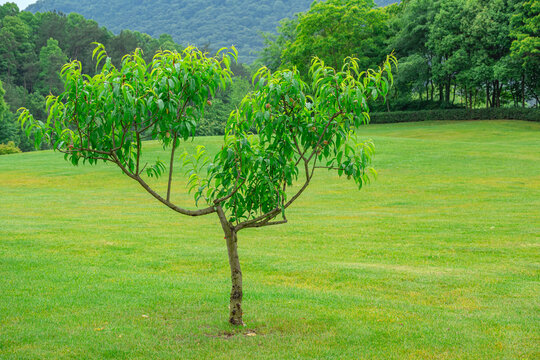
(276, 140)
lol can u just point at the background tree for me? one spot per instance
(16, 48)
(9, 129)
(445, 39)
(30, 62)
(274, 45)
(125, 43)
(410, 25)
(222, 104)
(5, 129)
(3, 106)
(335, 29)
(51, 60)
(525, 47)
(8, 9)
(282, 132)
(80, 35)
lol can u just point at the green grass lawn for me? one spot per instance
(439, 258)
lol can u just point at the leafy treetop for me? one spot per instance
(105, 117)
(281, 132)
(285, 128)
(288, 127)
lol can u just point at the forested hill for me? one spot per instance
(386, 2)
(210, 23)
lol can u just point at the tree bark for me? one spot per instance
(523, 89)
(487, 95)
(447, 91)
(235, 306)
(496, 102)
(231, 236)
(496, 93)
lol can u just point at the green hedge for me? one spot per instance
(528, 114)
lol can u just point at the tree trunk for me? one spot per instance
(487, 95)
(523, 88)
(447, 91)
(495, 103)
(493, 94)
(235, 306)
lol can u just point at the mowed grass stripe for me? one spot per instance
(436, 259)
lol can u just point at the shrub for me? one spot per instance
(404, 103)
(527, 114)
(9, 148)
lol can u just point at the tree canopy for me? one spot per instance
(33, 48)
(452, 53)
(335, 29)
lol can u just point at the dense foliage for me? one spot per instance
(300, 126)
(8, 129)
(513, 113)
(335, 29)
(34, 47)
(452, 53)
(9, 148)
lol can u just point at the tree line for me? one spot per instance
(34, 47)
(451, 53)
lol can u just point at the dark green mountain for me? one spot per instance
(210, 23)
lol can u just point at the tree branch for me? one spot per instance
(153, 121)
(171, 167)
(200, 212)
(86, 157)
(324, 132)
(329, 168)
(266, 223)
(236, 188)
(138, 151)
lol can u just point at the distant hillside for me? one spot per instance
(212, 23)
(386, 2)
